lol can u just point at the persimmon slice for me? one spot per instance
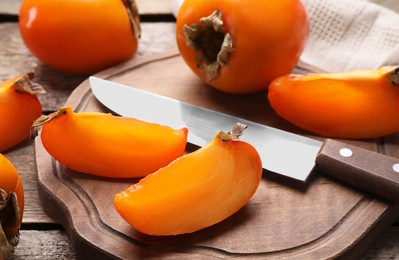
(110, 146)
(195, 191)
(359, 104)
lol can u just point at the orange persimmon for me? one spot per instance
(356, 104)
(80, 36)
(109, 146)
(11, 206)
(19, 108)
(241, 46)
(195, 191)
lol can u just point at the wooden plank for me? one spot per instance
(52, 244)
(146, 7)
(21, 157)
(16, 59)
(152, 7)
(10, 7)
(55, 244)
(386, 248)
(315, 224)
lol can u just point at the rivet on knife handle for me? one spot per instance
(367, 170)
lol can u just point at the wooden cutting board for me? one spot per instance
(285, 219)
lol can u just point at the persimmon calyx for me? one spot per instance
(10, 213)
(394, 76)
(47, 118)
(134, 17)
(234, 134)
(25, 84)
(213, 42)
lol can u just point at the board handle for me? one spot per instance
(370, 171)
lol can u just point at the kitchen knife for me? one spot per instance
(281, 152)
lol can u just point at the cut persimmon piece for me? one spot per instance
(110, 146)
(358, 104)
(195, 191)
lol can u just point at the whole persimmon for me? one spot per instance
(241, 46)
(19, 108)
(11, 206)
(80, 36)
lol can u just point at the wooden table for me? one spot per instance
(41, 236)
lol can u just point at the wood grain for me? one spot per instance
(15, 59)
(11, 7)
(385, 248)
(55, 244)
(44, 245)
(284, 219)
(146, 7)
(366, 170)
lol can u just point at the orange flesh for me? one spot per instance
(359, 104)
(195, 191)
(110, 146)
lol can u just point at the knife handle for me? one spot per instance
(365, 169)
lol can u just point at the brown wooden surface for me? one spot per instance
(284, 219)
(41, 236)
(146, 7)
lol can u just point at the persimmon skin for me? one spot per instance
(359, 104)
(111, 146)
(268, 38)
(195, 191)
(80, 36)
(18, 111)
(10, 182)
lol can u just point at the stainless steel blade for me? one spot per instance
(281, 152)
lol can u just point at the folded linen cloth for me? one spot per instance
(347, 34)
(351, 34)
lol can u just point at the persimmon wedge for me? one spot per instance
(110, 146)
(195, 191)
(357, 104)
(19, 108)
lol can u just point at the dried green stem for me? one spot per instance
(47, 118)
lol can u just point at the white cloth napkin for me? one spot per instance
(348, 34)
(351, 34)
